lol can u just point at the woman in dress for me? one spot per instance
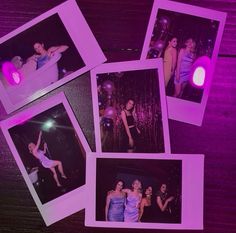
(170, 59)
(43, 55)
(46, 163)
(163, 201)
(146, 214)
(133, 200)
(131, 130)
(115, 203)
(185, 61)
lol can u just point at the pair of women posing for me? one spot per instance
(122, 205)
(179, 65)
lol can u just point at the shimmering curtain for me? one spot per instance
(114, 90)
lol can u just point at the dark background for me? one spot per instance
(119, 25)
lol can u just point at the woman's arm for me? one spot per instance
(180, 56)
(58, 49)
(123, 117)
(141, 210)
(126, 190)
(38, 142)
(108, 199)
(174, 60)
(45, 147)
(161, 206)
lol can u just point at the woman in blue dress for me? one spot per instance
(46, 163)
(43, 55)
(185, 61)
(115, 203)
(133, 200)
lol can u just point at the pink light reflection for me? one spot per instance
(11, 73)
(199, 76)
(200, 72)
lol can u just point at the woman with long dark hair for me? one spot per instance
(115, 203)
(131, 130)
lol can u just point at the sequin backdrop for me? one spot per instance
(114, 89)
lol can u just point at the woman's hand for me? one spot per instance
(40, 134)
(170, 199)
(45, 145)
(131, 142)
(139, 132)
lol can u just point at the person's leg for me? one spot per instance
(55, 176)
(60, 168)
(184, 84)
(177, 90)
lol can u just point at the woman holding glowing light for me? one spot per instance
(46, 163)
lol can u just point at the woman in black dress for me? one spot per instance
(131, 131)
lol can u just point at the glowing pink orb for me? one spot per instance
(16, 77)
(199, 76)
(200, 72)
(11, 73)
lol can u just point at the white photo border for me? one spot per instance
(178, 109)
(80, 34)
(68, 203)
(123, 67)
(192, 191)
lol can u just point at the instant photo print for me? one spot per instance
(188, 39)
(45, 53)
(145, 191)
(49, 148)
(129, 107)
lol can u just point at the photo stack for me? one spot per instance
(130, 179)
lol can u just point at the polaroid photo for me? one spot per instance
(129, 106)
(45, 53)
(49, 148)
(188, 39)
(145, 191)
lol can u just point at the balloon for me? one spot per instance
(108, 86)
(110, 112)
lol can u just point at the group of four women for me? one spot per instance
(130, 205)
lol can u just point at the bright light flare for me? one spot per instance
(199, 76)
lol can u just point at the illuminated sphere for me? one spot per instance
(199, 76)
(108, 86)
(110, 112)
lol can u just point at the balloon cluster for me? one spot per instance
(107, 124)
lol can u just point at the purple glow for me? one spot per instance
(200, 72)
(11, 74)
